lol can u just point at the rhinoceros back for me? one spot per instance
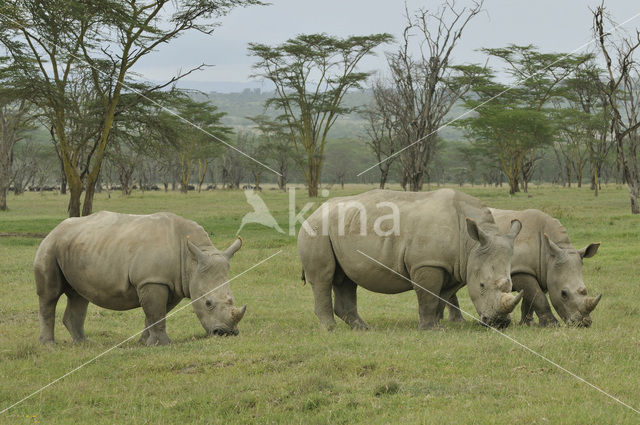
(106, 256)
(430, 226)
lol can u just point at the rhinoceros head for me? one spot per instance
(489, 273)
(567, 291)
(209, 288)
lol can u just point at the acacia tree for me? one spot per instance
(423, 89)
(584, 92)
(232, 164)
(254, 147)
(622, 91)
(312, 73)
(381, 131)
(505, 128)
(191, 147)
(103, 40)
(15, 117)
(276, 145)
(539, 77)
(570, 143)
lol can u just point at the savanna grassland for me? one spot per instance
(283, 368)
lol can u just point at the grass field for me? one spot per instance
(283, 368)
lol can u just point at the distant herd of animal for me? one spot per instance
(385, 241)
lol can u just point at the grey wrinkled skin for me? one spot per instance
(446, 240)
(544, 261)
(124, 261)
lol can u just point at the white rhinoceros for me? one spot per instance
(124, 261)
(439, 240)
(545, 261)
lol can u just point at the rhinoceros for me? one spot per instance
(124, 261)
(545, 261)
(431, 242)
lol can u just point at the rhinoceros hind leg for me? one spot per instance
(49, 286)
(427, 282)
(534, 300)
(319, 264)
(345, 303)
(74, 314)
(323, 305)
(47, 317)
(526, 311)
(153, 299)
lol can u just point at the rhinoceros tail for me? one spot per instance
(304, 281)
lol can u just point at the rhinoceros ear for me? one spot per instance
(233, 248)
(476, 232)
(200, 256)
(554, 249)
(516, 226)
(590, 250)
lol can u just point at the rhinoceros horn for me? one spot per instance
(508, 302)
(590, 303)
(233, 248)
(238, 313)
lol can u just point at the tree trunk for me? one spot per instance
(415, 182)
(87, 206)
(75, 191)
(4, 184)
(514, 186)
(579, 178)
(634, 193)
(99, 184)
(313, 177)
(313, 188)
(383, 177)
(3, 198)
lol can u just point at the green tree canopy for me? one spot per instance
(312, 73)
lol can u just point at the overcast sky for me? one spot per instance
(552, 25)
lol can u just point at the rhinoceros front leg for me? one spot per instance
(153, 299)
(345, 303)
(427, 282)
(533, 301)
(74, 314)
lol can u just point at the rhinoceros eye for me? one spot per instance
(564, 293)
(209, 305)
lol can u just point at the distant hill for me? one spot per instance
(224, 86)
(250, 102)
